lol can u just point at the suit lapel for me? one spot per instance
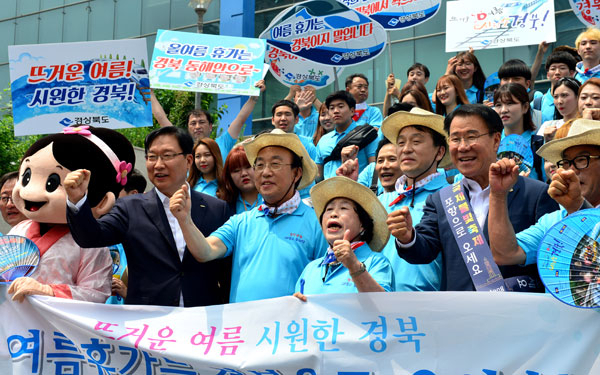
(198, 206)
(156, 213)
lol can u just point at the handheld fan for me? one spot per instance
(19, 256)
(516, 147)
(568, 259)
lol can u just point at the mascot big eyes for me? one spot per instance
(66, 270)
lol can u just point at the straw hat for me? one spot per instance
(394, 123)
(343, 187)
(278, 137)
(582, 132)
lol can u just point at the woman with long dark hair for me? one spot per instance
(206, 168)
(467, 68)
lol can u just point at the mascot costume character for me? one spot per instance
(65, 269)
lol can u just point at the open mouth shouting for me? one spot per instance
(334, 227)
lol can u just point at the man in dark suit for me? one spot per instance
(161, 269)
(474, 136)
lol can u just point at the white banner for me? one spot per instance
(352, 334)
(482, 24)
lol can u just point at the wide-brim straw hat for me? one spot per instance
(279, 138)
(394, 123)
(343, 187)
(582, 132)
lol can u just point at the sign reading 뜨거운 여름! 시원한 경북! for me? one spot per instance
(102, 83)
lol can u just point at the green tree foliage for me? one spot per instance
(177, 105)
(12, 148)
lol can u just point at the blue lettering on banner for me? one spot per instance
(57, 96)
(187, 50)
(19, 346)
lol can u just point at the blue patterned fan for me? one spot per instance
(517, 148)
(568, 259)
(19, 256)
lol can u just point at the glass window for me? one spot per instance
(182, 14)
(27, 6)
(8, 9)
(128, 18)
(27, 30)
(47, 4)
(75, 25)
(102, 17)
(155, 15)
(50, 24)
(7, 38)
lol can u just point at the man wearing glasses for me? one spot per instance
(10, 214)
(270, 244)
(161, 269)
(474, 137)
(576, 185)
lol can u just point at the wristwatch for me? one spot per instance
(362, 269)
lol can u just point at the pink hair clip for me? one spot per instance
(81, 130)
(122, 171)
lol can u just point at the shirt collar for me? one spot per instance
(473, 186)
(214, 182)
(352, 126)
(296, 212)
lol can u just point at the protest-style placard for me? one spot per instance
(408, 333)
(326, 32)
(396, 14)
(101, 83)
(291, 70)
(207, 63)
(485, 24)
(587, 11)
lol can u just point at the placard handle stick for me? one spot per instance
(336, 84)
(389, 44)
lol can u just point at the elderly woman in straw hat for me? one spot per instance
(353, 223)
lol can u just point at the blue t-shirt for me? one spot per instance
(365, 177)
(413, 277)
(581, 76)
(225, 143)
(326, 145)
(527, 137)
(307, 126)
(471, 93)
(119, 264)
(269, 254)
(530, 239)
(206, 187)
(242, 205)
(371, 116)
(547, 107)
(338, 279)
(312, 152)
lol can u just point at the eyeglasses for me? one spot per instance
(275, 166)
(5, 200)
(470, 139)
(580, 162)
(152, 158)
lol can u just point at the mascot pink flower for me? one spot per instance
(65, 269)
